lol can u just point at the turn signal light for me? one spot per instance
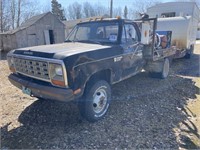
(59, 83)
(118, 17)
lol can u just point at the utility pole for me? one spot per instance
(111, 8)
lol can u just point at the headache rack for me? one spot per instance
(151, 51)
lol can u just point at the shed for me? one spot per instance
(39, 30)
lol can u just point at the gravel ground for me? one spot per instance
(145, 113)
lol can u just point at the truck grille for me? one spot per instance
(33, 68)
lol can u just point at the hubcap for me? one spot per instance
(99, 100)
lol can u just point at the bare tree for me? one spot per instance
(70, 13)
(141, 6)
(29, 9)
(4, 15)
(88, 10)
(117, 12)
(101, 10)
(131, 13)
(18, 12)
(75, 11)
(1, 15)
(47, 8)
(57, 10)
(65, 11)
(13, 14)
(125, 12)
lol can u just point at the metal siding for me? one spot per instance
(21, 37)
(40, 27)
(59, 31)
(7, 44)
(14, 41)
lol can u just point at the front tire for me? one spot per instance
(96, 101)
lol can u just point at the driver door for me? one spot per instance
(132, 50)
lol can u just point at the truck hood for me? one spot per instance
(59, 51)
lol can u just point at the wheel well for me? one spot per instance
(101, 75)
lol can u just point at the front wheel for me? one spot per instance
(96, 101)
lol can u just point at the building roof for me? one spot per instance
(32, 20)
(178, 8)
(177, 4)
(28, 23)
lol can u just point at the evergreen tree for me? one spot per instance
(57, 10)
(125, 12)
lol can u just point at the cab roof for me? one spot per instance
(105, 20)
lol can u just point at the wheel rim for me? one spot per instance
(166, 68)
(99, 100)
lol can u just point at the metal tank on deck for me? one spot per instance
(183, 31)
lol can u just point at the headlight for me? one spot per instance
(59, 71)
(56, 74)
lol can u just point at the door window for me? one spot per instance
(129, 34)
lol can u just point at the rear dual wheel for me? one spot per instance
(190, 52)
(165, 70)
(164, 67)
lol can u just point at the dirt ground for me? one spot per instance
(145, 113)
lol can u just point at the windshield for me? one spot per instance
(95, 32)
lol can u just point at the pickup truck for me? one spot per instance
(95, 55)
